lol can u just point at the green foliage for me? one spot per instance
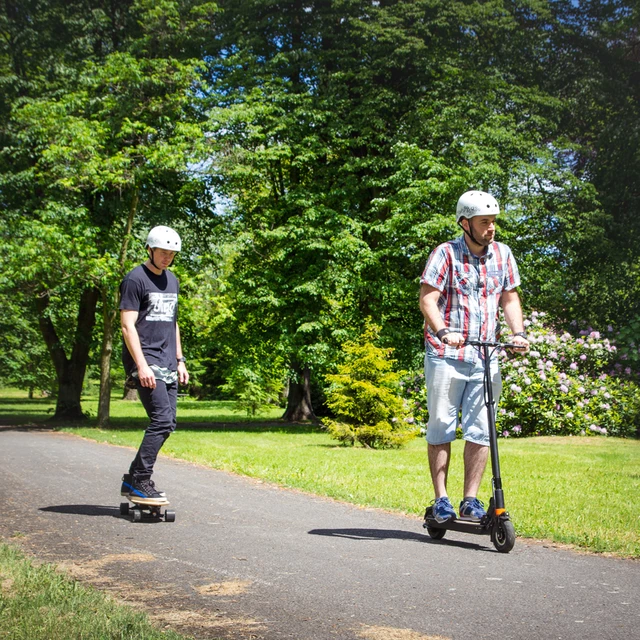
(364, 397)
(568, 386)
(251, 389)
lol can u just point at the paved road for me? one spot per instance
(249, 560)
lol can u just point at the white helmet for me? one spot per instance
(476, 203)
(164, 238)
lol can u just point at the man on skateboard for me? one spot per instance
(152, 355)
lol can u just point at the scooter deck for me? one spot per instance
(464, 526)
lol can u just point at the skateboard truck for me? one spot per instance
(155, 511)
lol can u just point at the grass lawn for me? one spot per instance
(39, 603)
(581, 491)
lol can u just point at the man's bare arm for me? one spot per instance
(132, 340)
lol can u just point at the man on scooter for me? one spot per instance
(463, 286)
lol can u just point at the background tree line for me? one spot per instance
(311, 154)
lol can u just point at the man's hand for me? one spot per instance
(453, 339)
(183, 374)
(147, 377)
(523, 344)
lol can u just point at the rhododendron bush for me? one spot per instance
(566, 385)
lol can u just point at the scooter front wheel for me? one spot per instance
(503, 535)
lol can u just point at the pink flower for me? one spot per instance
(573, 366)
(517, 428)
(564, 388)
(583, 357)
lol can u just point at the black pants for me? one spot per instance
(160, 405)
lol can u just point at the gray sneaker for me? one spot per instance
(472, 509)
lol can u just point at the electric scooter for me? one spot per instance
(496, 523)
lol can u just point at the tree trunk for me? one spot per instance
(299, 408)
(104, 401)
(109, 316)
(70, 371)
(130, 390)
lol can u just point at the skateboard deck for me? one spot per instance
(154, 510)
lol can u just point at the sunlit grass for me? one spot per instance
(15, 404)
(39, 603)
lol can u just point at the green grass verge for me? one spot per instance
(580, 491)
(39, 603)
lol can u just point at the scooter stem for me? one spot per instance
(498, 495)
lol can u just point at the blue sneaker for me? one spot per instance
(472, 509)
(443, 510)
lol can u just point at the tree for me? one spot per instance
(108, 141)
(364, 395)
(344, 140)
(594, 66)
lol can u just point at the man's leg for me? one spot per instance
(439, 456)
(445, 382)
(160, 405)
(475, 427)
(475, 461)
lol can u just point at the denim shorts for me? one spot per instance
(455, 387)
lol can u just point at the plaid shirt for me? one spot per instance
(470, 288)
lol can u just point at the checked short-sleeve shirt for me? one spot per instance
(470, 289)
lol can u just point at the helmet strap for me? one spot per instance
(153, 262)
(470, 232)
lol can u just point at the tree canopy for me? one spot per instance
(312, 154)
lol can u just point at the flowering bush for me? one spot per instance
(568, 385)
(414, 393)
(565, 385)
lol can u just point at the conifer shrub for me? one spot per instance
(365, 399)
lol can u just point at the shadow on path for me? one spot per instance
(391, 534)
(84, 510)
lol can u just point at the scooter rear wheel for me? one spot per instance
(503, 536)
(436, 534)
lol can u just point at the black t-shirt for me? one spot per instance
(155, 298)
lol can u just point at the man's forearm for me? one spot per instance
(132, 341)
(513, 312)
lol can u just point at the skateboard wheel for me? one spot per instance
(137, 515)
(124, 508)
(170, 516)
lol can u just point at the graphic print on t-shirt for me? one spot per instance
(161, 306)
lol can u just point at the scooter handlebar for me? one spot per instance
(493, 343)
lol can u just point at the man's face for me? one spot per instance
(163, 257)
(483, 229)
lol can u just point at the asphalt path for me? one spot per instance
(246, 559)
